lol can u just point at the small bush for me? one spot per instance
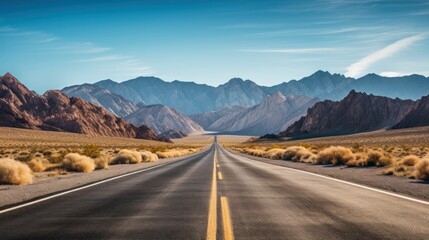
(410, 160)
(149, 156)
(102, 162)
(299, 154)
(175, 153)
(14, 172)
(55, 157)
(335, 155)
(421, 169)
(91, 150)
(126, 156)
(275, 153)
(39, 164)
(78, 163)
(403, 167)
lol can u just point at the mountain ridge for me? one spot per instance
(357, 112)
(191, 98)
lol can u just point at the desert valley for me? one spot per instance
(214, 119)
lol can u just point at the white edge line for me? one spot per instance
(341, 181)
(81, 188)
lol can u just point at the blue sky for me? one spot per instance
(53, 44)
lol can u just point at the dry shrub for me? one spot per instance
(335, 155)
(254, 152)
(149, 156)
(78, 163)
(126, 156)
(410, 160)
(375, 158)
(403, 167)
(378, 159)
(299, 154)
(91, 150)
(175, 153)
(39, 164)
(14, 172)
(421, 169)
(102, 162)
(55, 157)
(275, 153)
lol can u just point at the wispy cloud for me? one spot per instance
(394, 74)
(291, 50)
(359, 67)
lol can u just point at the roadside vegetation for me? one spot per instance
(19, 165)
(398, 160)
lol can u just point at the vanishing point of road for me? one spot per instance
(217, 194)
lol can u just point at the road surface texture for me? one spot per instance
(219, 195)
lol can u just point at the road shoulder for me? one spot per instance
(370, 177)
(11, 195)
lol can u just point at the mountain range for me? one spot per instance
(55, 111)
(357, 112)
(191, 98)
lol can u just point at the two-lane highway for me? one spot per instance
(215, 195)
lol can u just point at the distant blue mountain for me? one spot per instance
(192, 98)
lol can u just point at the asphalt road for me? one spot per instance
(219, 195)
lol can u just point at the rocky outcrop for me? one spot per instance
(55, 111)
(102, 97)
(418, 116)
(173, 134)
(357, 112)
(272, 115)
(161, 118)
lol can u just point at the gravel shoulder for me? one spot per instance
(366, 176)
(42, 186)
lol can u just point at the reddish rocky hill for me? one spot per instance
(418, 116)
(20, 107)
(358, 112)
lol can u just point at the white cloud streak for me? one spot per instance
(394, 74)
(356, 69)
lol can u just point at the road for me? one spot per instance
(219, 195)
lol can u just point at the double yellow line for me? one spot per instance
(228, 233)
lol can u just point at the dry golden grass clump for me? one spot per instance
(377, 158)
(254, 151)
(175, 153)
(403, 167)
(39, 164)
(102, 162)
(126, 156)
(78, 163)
(274, 153)
(91, 150)
(421, 169)
(149, 156)
(335, 155)
(299, 154)
(14, 172)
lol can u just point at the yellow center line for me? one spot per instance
(218, 165)
(228, 233)
(212, 221)
(219, 174)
